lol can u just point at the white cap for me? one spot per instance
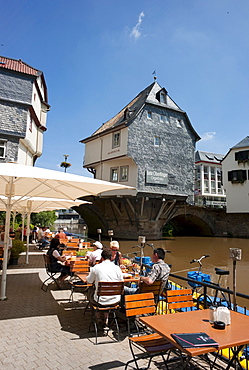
(114, 244)
(98, 245)
(65, 228)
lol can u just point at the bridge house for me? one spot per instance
(149, 145)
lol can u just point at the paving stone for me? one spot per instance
(41, 330)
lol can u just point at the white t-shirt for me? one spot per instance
(56, 254)
(105, 271)
(95, 256)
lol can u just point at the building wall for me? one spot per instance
(16, 87)
(237, 194)
(100, 149)
(173, 157)
(208, 185)
(13, 118)
(18, 92)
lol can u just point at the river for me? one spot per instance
(184, 249)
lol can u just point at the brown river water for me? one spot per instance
(184, 249)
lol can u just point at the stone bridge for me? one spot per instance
(202, 221)
(130, 218)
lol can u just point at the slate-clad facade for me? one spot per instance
(23, 110)
(157, 145)
(150, 146)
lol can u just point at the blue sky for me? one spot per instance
(97, 55)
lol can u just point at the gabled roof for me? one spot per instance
(243, 143)
(18, 66)
(208, 157)
(132, 109)
(21, 67)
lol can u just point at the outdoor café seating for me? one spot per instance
(106, 289)
(154, 288)
(78, 267)
(151, 344)
(51, 275)
(179, 300)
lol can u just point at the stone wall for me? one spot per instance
(13, 119)
(174, 156)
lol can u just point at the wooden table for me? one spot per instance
(234, 335)
(126, 280)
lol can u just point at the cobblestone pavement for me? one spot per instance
(41, 330)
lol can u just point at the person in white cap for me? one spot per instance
(96, 254)
(116, 255)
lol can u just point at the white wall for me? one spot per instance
(237, 195)
(100, 149)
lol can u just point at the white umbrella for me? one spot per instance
(26, 206)
(28, 181)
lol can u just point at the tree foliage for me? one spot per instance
(45, 218)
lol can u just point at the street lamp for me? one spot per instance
(99, 231)
(110, 234)
(65, 163)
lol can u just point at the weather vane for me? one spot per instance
(154, 73)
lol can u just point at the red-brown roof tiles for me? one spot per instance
(18, 66)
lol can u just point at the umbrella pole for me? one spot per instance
(6, 250)
(27, 235)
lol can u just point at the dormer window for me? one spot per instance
(116, 139)
(162, 96)
(149, 114)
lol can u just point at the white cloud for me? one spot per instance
(136, 30)
(208, 136)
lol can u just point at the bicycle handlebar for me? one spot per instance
(199, 260)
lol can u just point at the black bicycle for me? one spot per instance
(219, 298)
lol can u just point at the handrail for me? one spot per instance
(209, 285)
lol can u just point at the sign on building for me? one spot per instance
(154, 177)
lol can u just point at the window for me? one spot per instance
(179, 123)
(162, 97)
(149, 115)
(237, 176)
(161, 117)
(242, 156)
(3, 145)
(156, 141)
(116, 139)
(124, 170)
(114, 174)
(30, 124)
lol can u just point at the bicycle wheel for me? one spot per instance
(200, 302)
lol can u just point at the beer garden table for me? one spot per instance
(234, 336)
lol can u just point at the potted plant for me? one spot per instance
(18, 247)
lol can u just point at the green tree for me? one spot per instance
(45, 218)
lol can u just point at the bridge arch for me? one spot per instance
(190, 224)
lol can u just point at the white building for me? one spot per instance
(208, 180)
(23, 111)
(235, 167)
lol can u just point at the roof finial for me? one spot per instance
(154, 73)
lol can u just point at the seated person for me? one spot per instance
(159, 271)
(66, 232)
(56, 258)
(96, 254)
(116, 255)
(104, 271)
(61, 234)
(42, 239)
